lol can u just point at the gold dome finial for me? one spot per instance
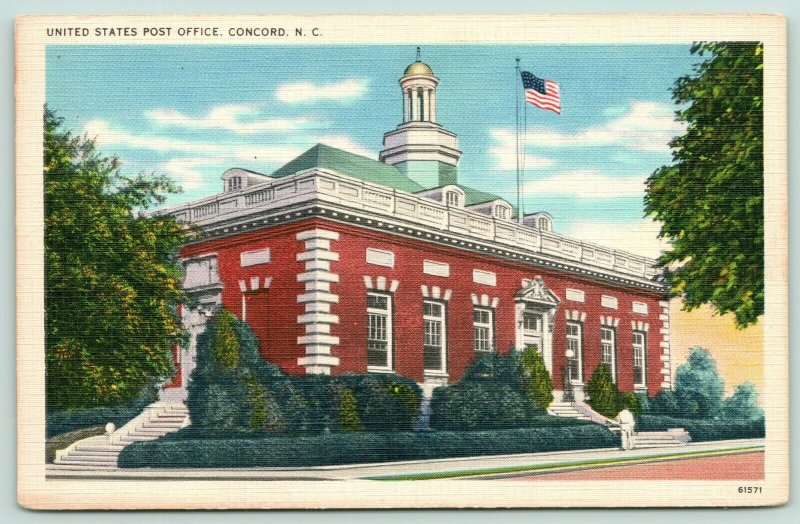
(418, 68)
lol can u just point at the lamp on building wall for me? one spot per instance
(570, 354)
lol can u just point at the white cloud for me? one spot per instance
(106, 136)
(186, 171)
(505, 152)
(586, 184)
(639, 237)
(647, 126)
(309, 92)
(228, 117)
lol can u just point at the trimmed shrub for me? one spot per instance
(630, 401)
(348, 411)
(178, 451)
(604, 396)
(704, 430)
(537, 380)
(698, 386)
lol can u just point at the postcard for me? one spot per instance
(401, 261)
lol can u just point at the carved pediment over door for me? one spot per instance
(537, 292)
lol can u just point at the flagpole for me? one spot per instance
(516, 97)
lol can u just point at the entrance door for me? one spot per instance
(532, 330)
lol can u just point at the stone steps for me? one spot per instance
(99, 453)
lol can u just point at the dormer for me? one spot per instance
(236, 179)
(541, 220)
(449, 195)
(498, 208)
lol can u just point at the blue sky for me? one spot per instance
(194, 111)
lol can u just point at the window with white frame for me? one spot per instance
(501, 212)
(639, 353)
(200, 272)
(483, 328)
(379, 331)
(608, 350)
(574, 345)
(453, 199)
(434, 337)
(544, 224)
(234, 183)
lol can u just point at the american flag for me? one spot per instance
(541, 93)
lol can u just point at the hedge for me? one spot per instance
(703, 430)
(496, 392)
(234, 390)
(59, 422)
(176, 451)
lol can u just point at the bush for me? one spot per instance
(59, 422)
(496, 392)
(604, 396)
(698, 386)
(537, 381)
(703, 430)
(233, 389)
(178, 451)
(743, 404)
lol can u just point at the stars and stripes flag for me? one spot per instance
(541, 93)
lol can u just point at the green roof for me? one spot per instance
(349, 164)
(475, 196)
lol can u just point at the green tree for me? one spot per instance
(710, 199)
(743, 404)
(112, 281)
(698, 386)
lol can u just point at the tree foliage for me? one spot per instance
(710, 199)
(112, 282)
(743, 404)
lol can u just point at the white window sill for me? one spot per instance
(379, 370)
(640, 388)
(429, 373)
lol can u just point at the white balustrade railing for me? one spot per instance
(329, 186)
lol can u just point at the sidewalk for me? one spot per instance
(471, 467)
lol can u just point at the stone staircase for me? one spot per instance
(660, 439)
(639, 440)
(101, 452)
(566, 409)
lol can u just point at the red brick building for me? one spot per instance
(341, 263)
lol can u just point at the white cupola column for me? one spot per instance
(427, 115)
(414, 104)
(406, 105)
(433, 106)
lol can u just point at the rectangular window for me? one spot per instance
(574, 346)
(608, 350)
(379, 331)
(483, 328)
(434, 337)
(200, 272)
(639, 353)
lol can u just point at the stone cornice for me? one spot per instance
(331, 195)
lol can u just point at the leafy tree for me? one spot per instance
(743, 404)
(348, 411)
(112, 281)
(710, 199)
(537, 381)
(698, 386)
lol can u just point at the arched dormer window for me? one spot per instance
(502, 212)
(544, 224)
(453, 199)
